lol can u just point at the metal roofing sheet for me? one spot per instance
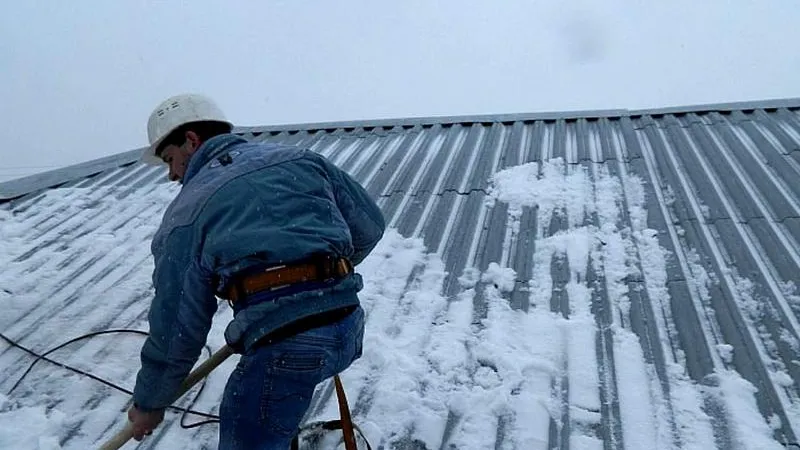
(722, 192)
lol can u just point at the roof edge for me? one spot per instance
(13, 189)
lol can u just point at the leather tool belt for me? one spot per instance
(317, 269)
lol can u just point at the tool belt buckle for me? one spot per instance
(343, 267)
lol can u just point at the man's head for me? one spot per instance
(179, 146)
(178, 127)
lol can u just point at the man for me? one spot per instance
(275, 230)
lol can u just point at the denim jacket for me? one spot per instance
(244, 204)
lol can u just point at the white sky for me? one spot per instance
(78, 79)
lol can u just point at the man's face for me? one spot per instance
(177, 158)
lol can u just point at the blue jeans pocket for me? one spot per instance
(271, 389)
(288, 387)
(299, 361)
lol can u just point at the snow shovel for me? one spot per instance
(198, 374)
(346, 422)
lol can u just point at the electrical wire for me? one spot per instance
(43, 357)
(212, 418)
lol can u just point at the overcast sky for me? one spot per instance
(78, 79)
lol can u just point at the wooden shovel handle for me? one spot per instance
(196, 375)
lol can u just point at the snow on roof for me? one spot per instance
(597, 281)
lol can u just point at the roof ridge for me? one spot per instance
(793, 102)
(19, 187)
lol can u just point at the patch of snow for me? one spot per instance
(705, 210)
(725, 352)
(525, 352)
(757, 311)
(748, 428)
(583, 442)
(744, 289)
(790, 291)
(581, 354)
(782, 378)
(615, 250)
(692, 423)
(731, 389)
(503, 278)
(577, 244)
(789, 338)
(639, 402)
(469, 278)
(775, 422)
(669, 195)
(700, 280)
(685, 400)
(29, 427)
(653, 261)
(400, 325)
(557, 189)
(11, 230)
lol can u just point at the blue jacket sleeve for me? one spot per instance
(180, 317)
(359, 210)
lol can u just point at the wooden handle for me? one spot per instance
(198, 374)
(120, 439)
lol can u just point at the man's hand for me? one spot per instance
(144, 422)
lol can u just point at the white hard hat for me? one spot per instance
(174, 112)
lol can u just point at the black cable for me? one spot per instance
(334, 424)
(43, 357)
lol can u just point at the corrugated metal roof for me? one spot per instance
(722, 189)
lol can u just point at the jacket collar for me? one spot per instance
(210, 149)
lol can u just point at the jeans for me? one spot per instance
(270, 390)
